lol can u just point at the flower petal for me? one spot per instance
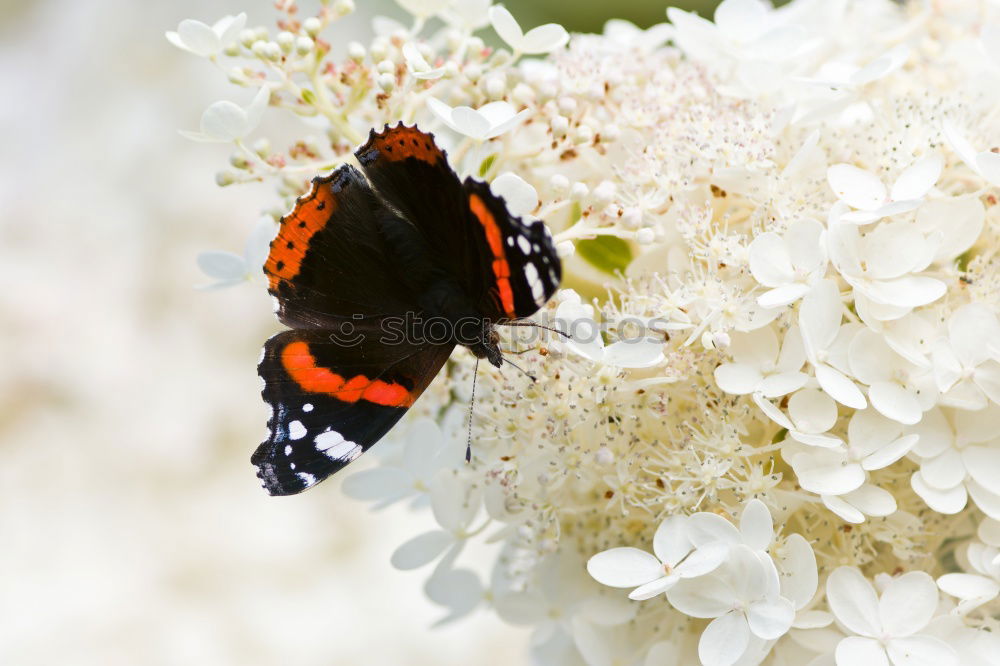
(771, 619)
(774, 386)
(799, 575)
(770, 262)
(890, 453)
(839, 387)
(643, 353)
(520, 196)
(819, 317)
(506, 26)
(844, 509)
(756, 526)
(984, 499)
(895, 402)
(983, 464)
(947, 501)
(704, 528)
(738, 378)
(872, 500)
(855, 651)
(724, 640)
(702, 597)
(653, 588)
(420, 550)
(988, 164)
(222, 265)
(911, 291)
(671, 543)
(544, 39)
(968, 586)
(917, 179)
(624, 567)
(921, 650)
(812, 411)
(198, 38)
(852, 599)
(224, 121)
(856, 187)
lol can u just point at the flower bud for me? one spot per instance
(260, 33)
(611, 132)
(232, 50)
(473, 72)
(285, 40)
(238, 76)
(312, 26)
(604, 193)
(579, 191)
(559, 184)
(343, 7)
(379, 49)
(386, 67)
(356, 51)
(262, 147)
(496, 87)
(522, 94)
(583, 134)
(224, 178)
(645, 236)
(565, 249)
(387, 82)
(304, 46)
(632, 217)
(603, 456)
(247, 37)
(567, 105)
(239, 160)
(560, 125)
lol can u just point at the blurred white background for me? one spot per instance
(132, 528)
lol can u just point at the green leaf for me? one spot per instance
(484, 168)
(308, 96)
(606, 253)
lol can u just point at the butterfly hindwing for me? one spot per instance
(331, 401)
(524, 267)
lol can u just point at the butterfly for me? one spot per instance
(379, 274)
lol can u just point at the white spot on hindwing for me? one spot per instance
(535, 282)
(524, 244)
(335, 447)
(296, 430)
(307, 407)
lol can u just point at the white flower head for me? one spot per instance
(207, 41)
(225, 121)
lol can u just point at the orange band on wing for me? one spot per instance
(300, 365)
(310, 214)
(401, 142)
(501, 270)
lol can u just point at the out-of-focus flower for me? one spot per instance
(543, 39)
(424, 8)
(225, 121)
(207, 41)
(585, 338)
(228, 268)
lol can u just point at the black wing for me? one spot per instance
(332, 400)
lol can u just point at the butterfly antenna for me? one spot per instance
(534, 325)
(519, 368)
(472, 404)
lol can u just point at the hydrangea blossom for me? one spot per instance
(798, 209)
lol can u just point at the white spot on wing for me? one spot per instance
(296, 430)
(307, 479)
(523, 243)
(510, 241)
(535, 282)
(335, 447)
(307, 407)
(288, 449)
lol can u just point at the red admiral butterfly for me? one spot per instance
(380, 276)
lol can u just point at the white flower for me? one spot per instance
(986, 163)
(418, 64)
(521, 198)
(486, 122)
(758, 366)
(202, 40)
(863, 190)
(887, 628)
(455, 505)
(839, 474)
(543, 39)
(743, 597)
(468, 14)
(879, 264)
(897, 388)
(789, 264)
(959, 456)
(826, 343)
(577, 321)
(675, 559)
(811, 414)
(965, 365)
(423, 9)
(425, 452)
(225, 121)
(628, 35)
(228, 268)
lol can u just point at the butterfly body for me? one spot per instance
(380, 276)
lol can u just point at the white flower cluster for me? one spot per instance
(799, 206)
